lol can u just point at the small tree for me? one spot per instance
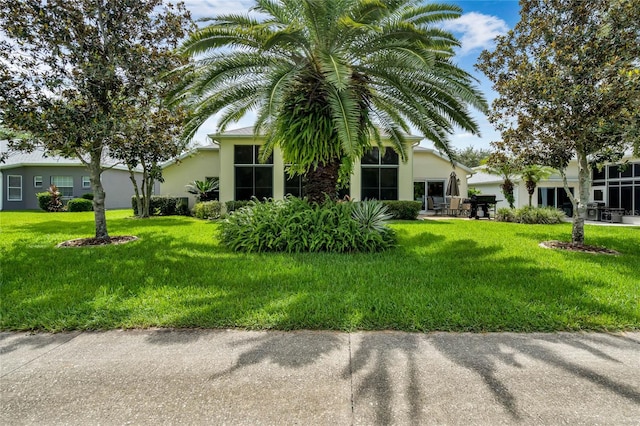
(533, 174)
(70, 71)
(507, 168)
(569, 87)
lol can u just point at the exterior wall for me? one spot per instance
(428, 166)
(117, 185)
(205, 163)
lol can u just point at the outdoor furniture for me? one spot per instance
(454, 206)
(612, 214)
(465, 208)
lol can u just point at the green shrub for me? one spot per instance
(88, 196)
(295, 225)
(208, 210)
(80, 205)
(163, 205)
(404, 210)
(505, 214)
(50, 200)
(531, 215)
(235, 205)
(44, 199)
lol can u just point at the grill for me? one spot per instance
(480, 205)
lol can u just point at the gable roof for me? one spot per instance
(39, 157)
(248, 131)
(442, 156)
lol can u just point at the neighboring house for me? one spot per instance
(610, 187)
(233, 158)
(23, 175)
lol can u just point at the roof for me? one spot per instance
(193, 151)
(248, 131)
(39, 157)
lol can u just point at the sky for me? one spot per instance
(480, 23)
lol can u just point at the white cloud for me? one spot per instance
(478, 30)
(210, 8)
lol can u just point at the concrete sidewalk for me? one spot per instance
(239, 377)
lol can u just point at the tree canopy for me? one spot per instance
(326, 78)
(568, 84)
(70, 71)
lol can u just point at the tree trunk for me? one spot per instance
(322, 182)
(148, 187)
(98, 196)
(580, 202)
(136, 191)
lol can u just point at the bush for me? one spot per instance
(295, 225)
(235, 205)
(50, 200)
(163, 205)
(505, 214)
(404, 210)
(88, 196)
(80, 205)
(531, 215)
(208, 210)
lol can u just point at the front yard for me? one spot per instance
(445, 275)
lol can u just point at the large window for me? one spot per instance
(554, 197)
(14, 188)
(64, 184)
(252, 177)
(618, 187)
(380, 175)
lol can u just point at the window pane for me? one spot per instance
(64, 184)
(263, 193)
(636, 169)
(389, 178)
(264, 177)
(243, 154)
(14, 181)
(598, 195)
(614, 197)
(371, 157)
(390, 156)
(389, 194)
(243, 194)
(370, 194)
(636, 196)
(256, 153)
(37, 181)
(244, 177)
(613, 172)
(626, 192)
(370, 177)
(86, 182)
(293, 185)
(15, 194)
(599, 175)
(628, 171)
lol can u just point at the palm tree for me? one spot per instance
(507, 168)
(533, 174)
(328, 77)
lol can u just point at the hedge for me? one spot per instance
(80, 205)
(404, 210)
(163, 205)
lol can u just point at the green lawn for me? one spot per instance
(445, 275)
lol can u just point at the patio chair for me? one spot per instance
(454, 206)
(465, 209)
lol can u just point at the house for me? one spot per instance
(233, 158)
(23, 175)
(612, 187)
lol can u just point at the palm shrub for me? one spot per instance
(328, 78)
(204, 190)
(297, 225)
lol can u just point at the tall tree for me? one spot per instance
(328, 77)
(472, 157)
(70, 70)
(568, 86)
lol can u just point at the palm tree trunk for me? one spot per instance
(322, 181)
